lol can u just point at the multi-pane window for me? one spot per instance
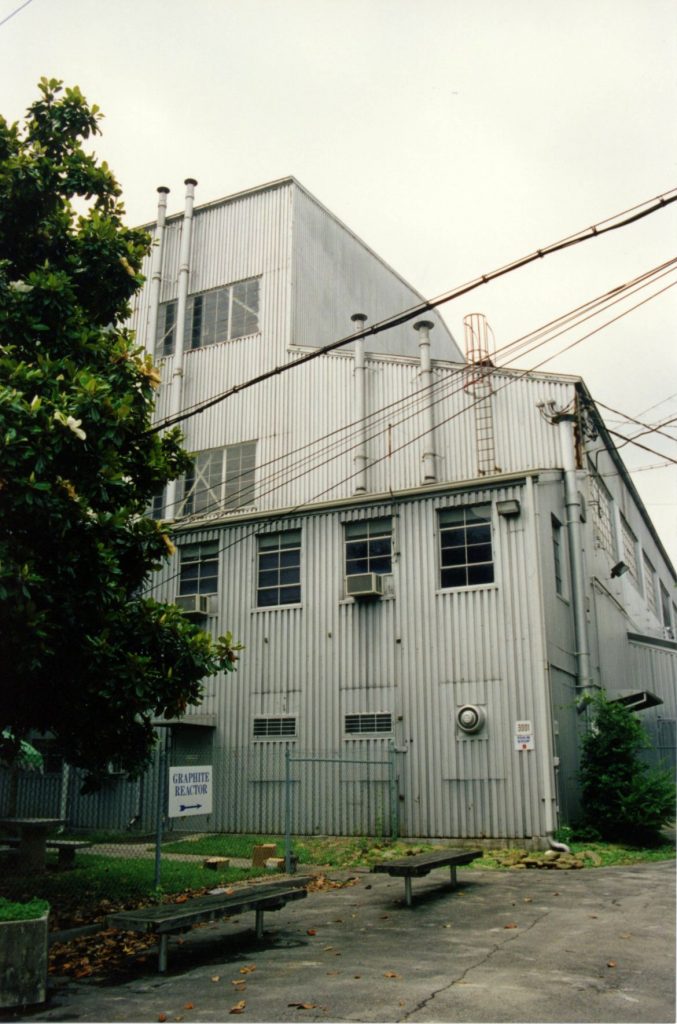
(218, 315)
(557, 552)
(279, 568)
(199, 568)
(601, 518)
(380, 722)
(630, 552)
(665, 608)
(369, 545)
(166, 329)
(271, 728)
(221, 479)
(466, 557)
(650, 586)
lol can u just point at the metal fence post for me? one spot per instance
(287, 811)
(159, 815)
(392, 778)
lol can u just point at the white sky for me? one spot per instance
(451, 135)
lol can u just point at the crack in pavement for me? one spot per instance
(471, 967)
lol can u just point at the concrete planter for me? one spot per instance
(23, 955)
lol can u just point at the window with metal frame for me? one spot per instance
(220, 479)
(369, 546)
(665, 607)
(602, 524)
(630, 552)
(199, 572)
(273, 728)
(557, 550)
(221, 314)
(650, 585)
(166, 329)
(279, 569)
(466, 554)
(369, 723)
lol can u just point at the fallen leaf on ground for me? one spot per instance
(303, 1006)
(162, 1017)
(217, 977)
(238, 1008)
(239, 985)
(247, 969)
(391, 974)
(188, 1006)
(625, 935)
(311, 931)
(510, 925)
(611, 963)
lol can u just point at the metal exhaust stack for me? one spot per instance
(156, 269)
(360, 459)
(176, 392)
(423, 327)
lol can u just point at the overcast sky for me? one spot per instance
(451, 135)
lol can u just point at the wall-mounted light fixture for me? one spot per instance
(618, 569)
(510, 507)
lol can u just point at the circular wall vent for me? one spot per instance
(470, 718)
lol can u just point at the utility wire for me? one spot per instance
(659, 202)
(514, 377)
(20, 8)
(441, 397)
(619, 293)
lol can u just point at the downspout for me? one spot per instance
(423, 327)
(572, 499)
(540, 695)
(176, 391)
(360, 459)
(156, 269)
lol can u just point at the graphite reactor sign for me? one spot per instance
(190, 790)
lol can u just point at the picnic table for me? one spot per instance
(32, 836)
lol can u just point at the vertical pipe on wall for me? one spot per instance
(423, 327)
(360, 459)
(156, 269)
(572, 501)
(176, 392)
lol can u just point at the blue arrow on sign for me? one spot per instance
(189, 807)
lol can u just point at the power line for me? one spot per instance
(16, 11)
(411, 402)
(514, 377)
(659, 202)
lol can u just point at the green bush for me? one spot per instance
(621, 796)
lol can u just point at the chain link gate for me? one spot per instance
(367, 802)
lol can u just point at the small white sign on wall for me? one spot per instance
(524, 736)
(190, 790)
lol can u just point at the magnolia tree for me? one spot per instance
(84, 655)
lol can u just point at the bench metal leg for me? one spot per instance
(162, 954)
(259, 923)
(453, 876)
(407, 890)
(66, 857)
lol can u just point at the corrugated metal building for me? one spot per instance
(419, 553)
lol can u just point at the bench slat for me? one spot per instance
(420, 864)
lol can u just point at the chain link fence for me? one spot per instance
(121, 841)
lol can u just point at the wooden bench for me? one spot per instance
(67, 848)
(170, 918)
(419, 864)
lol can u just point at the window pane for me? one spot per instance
(380, 565)
(356, 566)
(266, 598)
(290, 595)
(453, 578)
(480, 574)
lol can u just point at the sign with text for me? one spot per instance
(524, 736)
(190, 790)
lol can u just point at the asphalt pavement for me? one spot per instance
(530, 945)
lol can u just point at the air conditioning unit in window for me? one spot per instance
(366, 584)
(195, 606)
